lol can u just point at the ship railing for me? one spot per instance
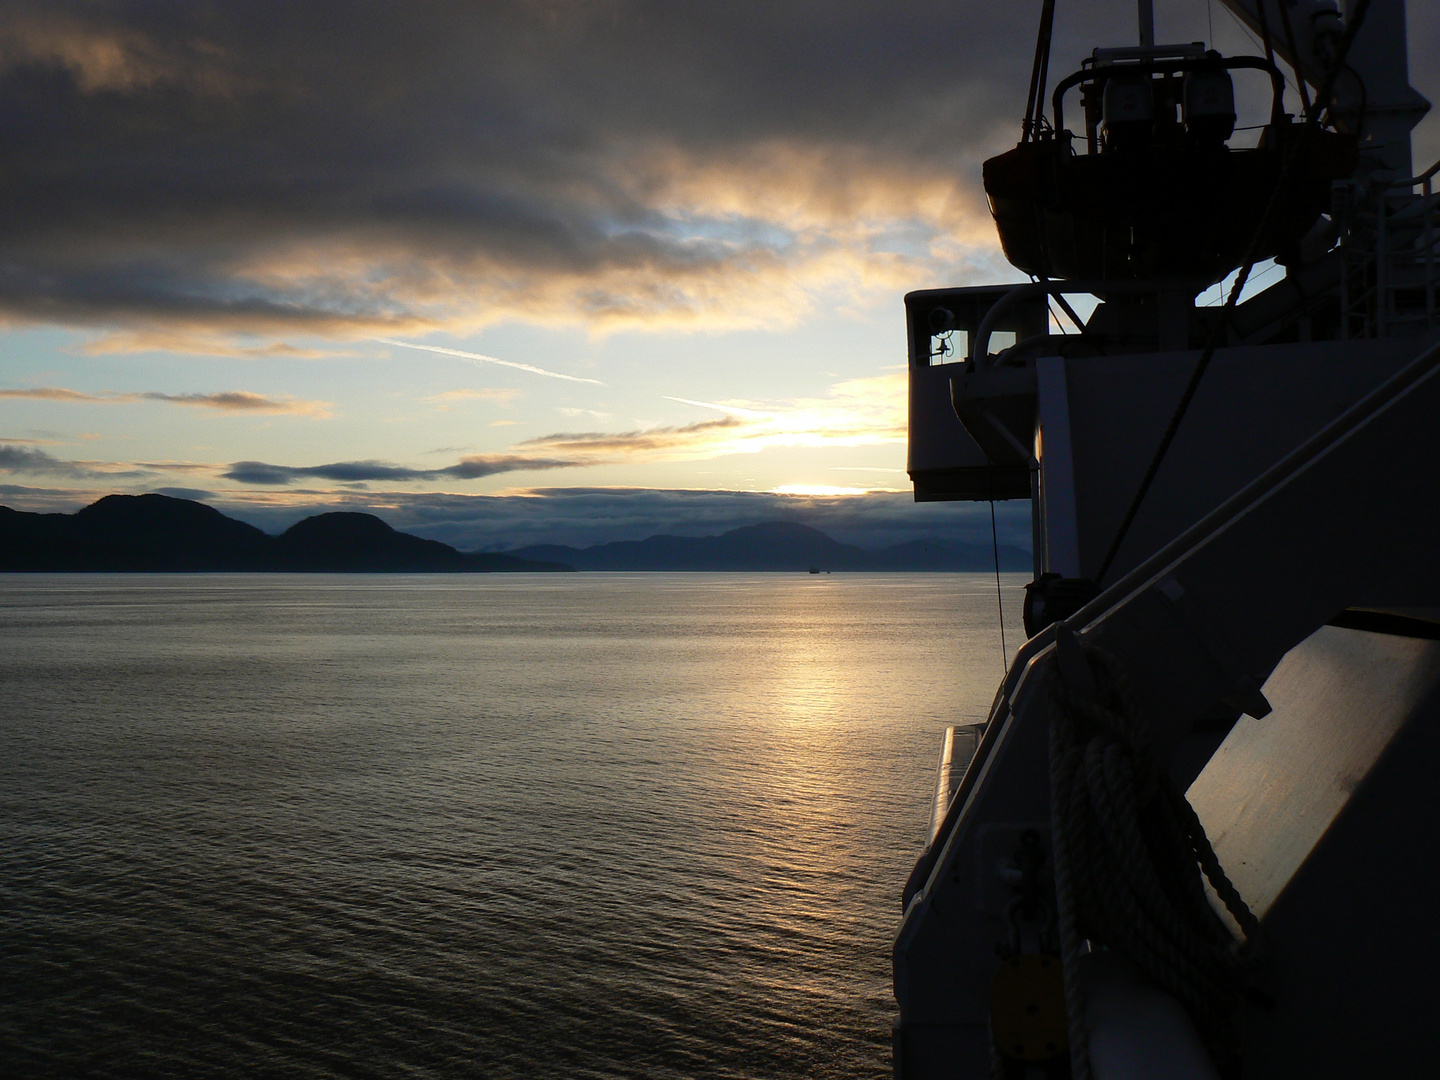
(1046, 287)
(1203, 621)
(1392, 269)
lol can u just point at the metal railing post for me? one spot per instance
(1344, 298)
(1429, 219)
(1382, 270)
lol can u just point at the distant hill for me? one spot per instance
(157, 533)
(362, 543)
(776, 545)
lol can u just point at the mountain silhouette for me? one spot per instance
(362, 543)
(157, 533)
(776, 545)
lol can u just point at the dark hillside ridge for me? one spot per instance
(361, 543)
(155, 533)
(777, 545)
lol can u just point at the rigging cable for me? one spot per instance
(1039, 73)
(1292, 160)
(1074, 316)
(999, 596)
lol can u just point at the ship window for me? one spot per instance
(1000, 340)
(949, 347)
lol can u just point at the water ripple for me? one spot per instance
(619, 825)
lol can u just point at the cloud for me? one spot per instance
(205, 344)
(24, 459)
(688, 442)
(219, 177)
(112, 58)
(858, 412)
(667, 443)
(473, 467)
(224, 401)
(19, 459)
(238, 401)
(225, 176)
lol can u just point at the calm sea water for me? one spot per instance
(582, 825)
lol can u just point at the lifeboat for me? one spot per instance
(1158, 192)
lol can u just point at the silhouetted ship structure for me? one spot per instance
(776, 545)
(1195, 838)
(131, 533)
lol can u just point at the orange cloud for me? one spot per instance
(236, 401)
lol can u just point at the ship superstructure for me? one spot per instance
(1194, 837)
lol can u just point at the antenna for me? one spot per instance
(1147, 24)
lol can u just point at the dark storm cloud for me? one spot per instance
(178, 172)
(177, 168)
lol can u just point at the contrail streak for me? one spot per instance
(735, 409)
(487, 359)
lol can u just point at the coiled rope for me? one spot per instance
(1129, 854)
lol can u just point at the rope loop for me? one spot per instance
(1131, 860)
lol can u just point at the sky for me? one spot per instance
(513, 271)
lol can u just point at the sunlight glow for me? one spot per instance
(817, 489)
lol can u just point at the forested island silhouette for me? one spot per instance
(157, 533)
(161, 534)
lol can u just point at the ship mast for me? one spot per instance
(1147, 24)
